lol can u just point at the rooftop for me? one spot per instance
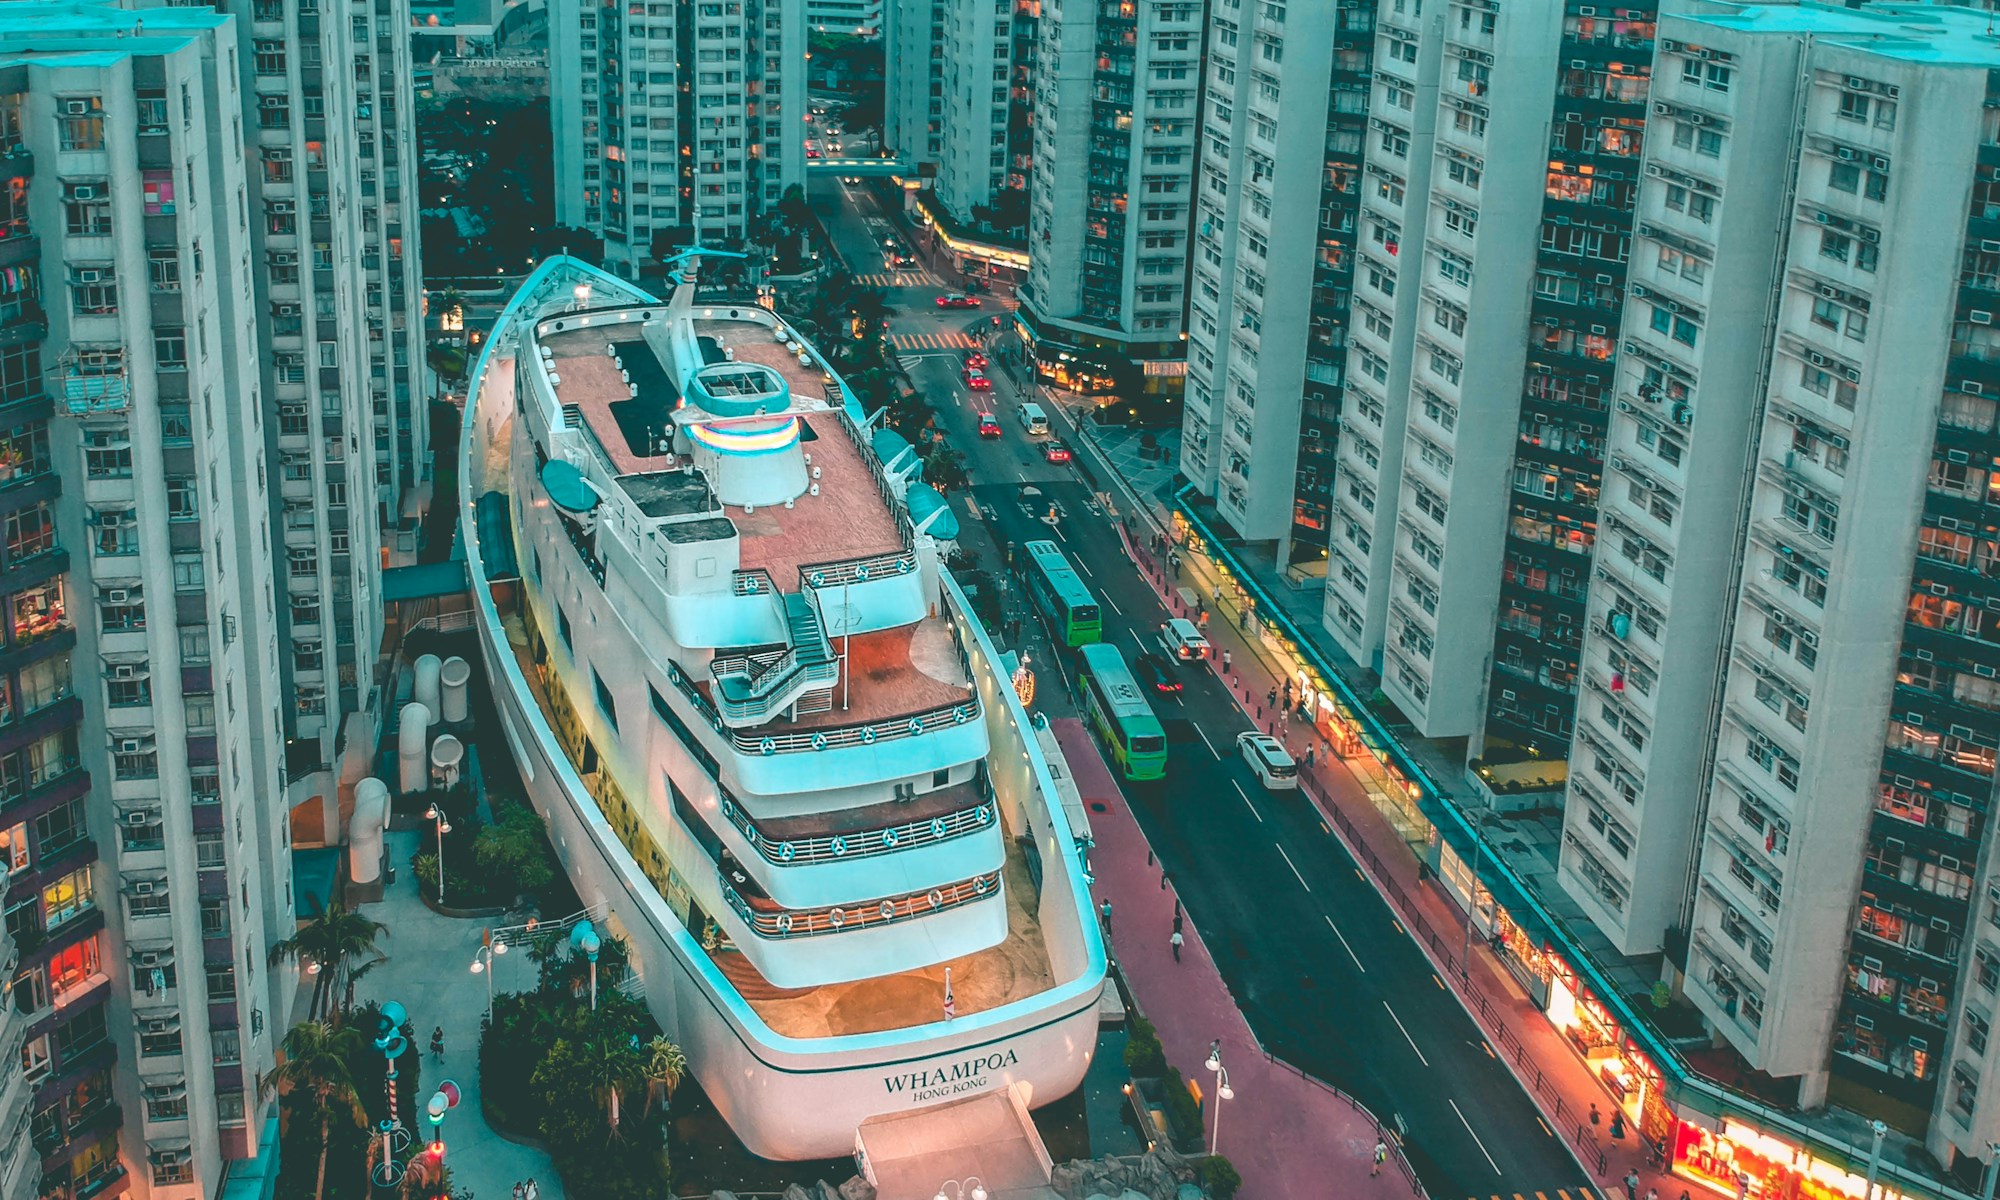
(890, 673)
(849, 518)
(1912, 32)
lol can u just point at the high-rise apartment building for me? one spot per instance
(1789, 734)
(1284, 117)
(20, 1164)
(675, 121)
(960, 98)
(209, 342)
(1514, 180)
(1117, 95)
(856, 18)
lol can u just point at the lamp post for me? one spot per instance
(1222, 1092)
(971, 1188)
(583, 936)
(436, 815)
(1880, 1131)
(482, 964)
(1471, 901)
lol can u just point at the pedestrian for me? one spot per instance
(1271, 698)
(1243, 620)
(1381, 1156)
(1595, 1116)
(1617, 1126)
(1104, 913)
(1201, 622)
(1177, 941)
(1652, 1194)
(1225, 662)
(1631, 1185)
(1163, 879)
(1178, 922)
(1177, 909)
(533, 1192)
(437, 1042)
(1311, 754)
(518, 1189)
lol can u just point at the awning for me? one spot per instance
(568, 488)
(425, 581)
(496, 537)
(925, 502)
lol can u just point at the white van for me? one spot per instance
(1268, 757)
(1034, 420)
(1181, 639)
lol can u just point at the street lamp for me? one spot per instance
(1880, 1131)
(583, 936)
(482, 964)
(436, 814)
(973, 1188)
(1222, 1092)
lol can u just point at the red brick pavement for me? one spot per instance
(1291, 1137)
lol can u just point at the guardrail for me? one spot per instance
(858, 570)
(754, 582)
(794, 923)
(1382, 1133)
(862, 843)
(751, 742)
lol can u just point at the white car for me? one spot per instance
(1181, 639)
(1268, 757)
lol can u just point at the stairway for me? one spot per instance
(750, 695)
(807, 635)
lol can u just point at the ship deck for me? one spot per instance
(848, 520)
(898, 672)
(1013, 970)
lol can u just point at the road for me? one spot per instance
(1326, 976)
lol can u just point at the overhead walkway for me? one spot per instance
(856, 166)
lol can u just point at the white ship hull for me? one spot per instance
(786, 1097)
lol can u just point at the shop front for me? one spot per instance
(1732, 1158)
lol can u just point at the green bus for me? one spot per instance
(1118, 708)
(1060, 594)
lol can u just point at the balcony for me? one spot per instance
(927, 820)
(767, 920)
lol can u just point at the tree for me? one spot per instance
(945, 470)
(342, 944)
(315, 1064)
(602, 1067)
(666, 1065)
(514, 849)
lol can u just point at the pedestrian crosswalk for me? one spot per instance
(1552, 1194)
(899, 279)
(949, 340)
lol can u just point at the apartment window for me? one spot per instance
(117, 532)
(270, 56)
(128, 685)
(151, 110)
(163, 268)
(93, 289)
(1833, 315)
(183, 498)
(189, 575)
(170, 348)
(1714, 76)
(221, 978)
(1672, 324)
(1680, 262)
(80, 122)
(1854, 179)
(1702, 140)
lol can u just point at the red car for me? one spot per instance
(988, 426)
(976, 359)
(1055, 452)
(957, 300)
(977, 381)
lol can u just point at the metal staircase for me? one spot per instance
(750, 691)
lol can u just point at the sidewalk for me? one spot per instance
(429, 970)
(1562, 1087)
(1290, 1137)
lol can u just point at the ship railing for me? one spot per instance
(858, 570)
(778, 924)
(861, 843)
(866, 734)
(753, 582)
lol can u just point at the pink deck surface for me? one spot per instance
(848, 519)
(591, 382)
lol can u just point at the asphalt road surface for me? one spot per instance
(1326, 976)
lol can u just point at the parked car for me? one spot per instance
(1151, 670)
(989, 425)
(957, 300)
(1055, 452)
(976, 380)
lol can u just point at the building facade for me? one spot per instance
(1283, 121)
(682, 122)
(1800, 477)
(1117, 93)
(1484, 513)
(205, 356)
(857, 18)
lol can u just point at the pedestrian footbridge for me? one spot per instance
(856, 166)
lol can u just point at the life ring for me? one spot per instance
(888, 910)
(784, 922)
(786, 851)
(868, 736)
(837, 918)
(768, 746)
(819, 741)
(937, 827)
(839, 845)
(936, 898)
(890, 838)
(961, 714)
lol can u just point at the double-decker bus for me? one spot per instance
(1117, 707)
(1060, 594)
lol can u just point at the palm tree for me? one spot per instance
(315, 1062)
(342, 945)
(666, 1064)
(614, 1065)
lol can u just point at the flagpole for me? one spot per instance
(950, 1005)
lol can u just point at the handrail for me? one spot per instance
(753, 582)
(858, 570)
(862, 843)
(864, 734)
(814, 922)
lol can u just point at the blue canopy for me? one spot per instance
(890, 447)
(925, 501)
(568, 488)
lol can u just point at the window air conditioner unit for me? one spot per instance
(83, 191)
(139, 818)
(125, 671)
(117, 595)
(131, 745)
(90, 275)
(145, 887)
(76, 108)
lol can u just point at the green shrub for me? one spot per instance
(513, 853)
(1183, 1114)
(1144, 1055)
(1218, 1177)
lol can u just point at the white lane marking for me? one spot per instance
(1084, 569)
(1211, 745)
(1252, 807)
(1344, 946)
(1475, 1137)
(1114, 606)
(1413, 1047)
(1295, 869)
